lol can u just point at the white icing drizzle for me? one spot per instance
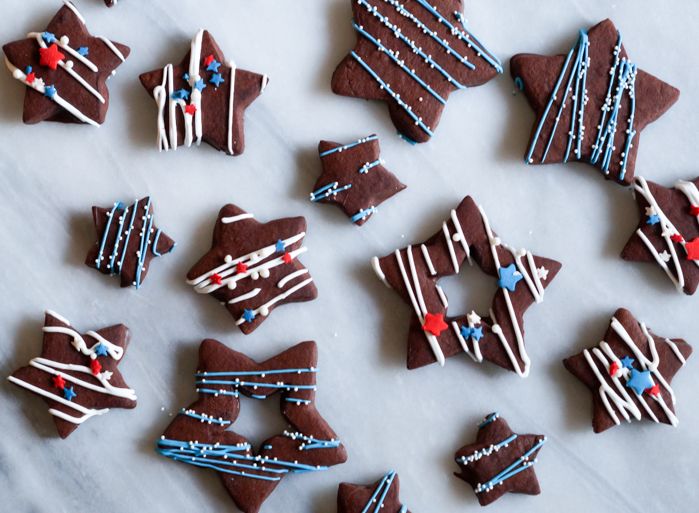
(72, 7)
(54, 368)
(450, 246)
(289, 277)
(263, 83)
(428, 260)
(64, 43)
(58, 316)
(235, 219)
(459, 235)
(243, 297)
(231, 105)
(442, 296)
(376, 265)
(676, 350)
(79, 343)
(113, 48)
(265, 309)
(194, 77)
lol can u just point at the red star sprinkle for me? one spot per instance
(677, 238)
(654, 390)
(59, 382)
(434, 323)
(31, 77)
(190, 109)
(692, 249)
(216, 279)
(613, 369)
(694, 210)
(209, 59)
(95, 367)
(287, 258)
(50, 56)
(241, 268)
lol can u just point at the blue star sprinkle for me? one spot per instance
(653, 219)
(49, 91)
(199, 85)
(48, 37)
(185, 77)
(180, 94)
(248, 315)
(84, 51)
(69, 393)
(216, 79)
(627, 362)
(474, 333)
(101, 350)
(213, 66)
(509, 277)
(280, 246)
(640, 381)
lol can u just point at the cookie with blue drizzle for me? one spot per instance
(412, 54)
(201, 435)
(383, 496)
(591, 104)
(500, 461)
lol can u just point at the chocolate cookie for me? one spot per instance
(414, 273)
(203, 98)
(252, 267)
(590, 104)
(412, 54)
(629, 373)
(384, 496)
(110, 3)
(668, 231)
(201, 434)
(500, 461)
(356, 173)
(76, 374)
(127, 241)
(65, 70)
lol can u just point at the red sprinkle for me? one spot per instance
(613, 369)
(95, 367)
(694, 210)
(692, 249)
(216, 279)
(287, 258)
(209, 59)
(190, 109)
(50, 56)
(434, 323)
(677, 238)
(59, 382)
(241, 268)
(31, 77)
(654, 390)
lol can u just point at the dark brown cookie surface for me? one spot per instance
(110, 3)
(384, 496)
(252, 267)
(65, 70)
(77, 374)
(629, 373)
(412, 54)
(500, 461)
(668, 230)
(201, 434)
(466, 236)
(127, 241)
(354, 178)
(591, 104)
(203, 98)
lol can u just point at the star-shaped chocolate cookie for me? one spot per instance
(466, 236)
(383, 496)
(201, 434)
(65, 70)
(629, 373)
(500, 461)
(127, 241)
(253, 267)
(668, 230)
(412, 54)
(203, 98)
(591, 104)
(77, 374)
(110, 3)
(354, 178)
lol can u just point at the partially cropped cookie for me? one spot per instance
(498, 336)
(591, 104)
(354, 178)
(110, 3)
(629, 373)
(412, 55)
(203, 98)
(668, 230)
(201, 434)
(252, 267)
(500, 461)
(76, 374)
(65, 70)
(382, 496)
(127, 241)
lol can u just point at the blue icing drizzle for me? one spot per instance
(519, 465)
(205, 418)
(350, 145)
(363, 214)
(380, 493)
(326, 191)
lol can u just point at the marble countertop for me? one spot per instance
(388, 417)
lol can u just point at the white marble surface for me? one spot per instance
(388, 417)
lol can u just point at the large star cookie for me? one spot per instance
(203, 98)
(354, 178)
(668, 230)
(414, 273)
(77, 374)
(500, 461)
(127, 241)
(201, 434)
(253, 267)
(629, 373)
(382, 496)
(65, 70)
(590, 104)
(412, 54)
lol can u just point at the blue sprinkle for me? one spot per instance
(248, 315)
(653, 219)
(280, 246)
(627, 362)
(48, 37)
(216, 79)
(84, 51)
(199, 85)
(28, 70)
(213, 66)
(69, 393)
(519, 83)
(185, 77)
(101, 350)
(509, 277)
(180, 94)
(50, 91)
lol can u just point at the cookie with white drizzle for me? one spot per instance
(201, 435)
(466, 236)
(204, 98)
(500, 461)
(76, 374)
(629, 373)
(591, 104)
(127, 241)
(354, 178)
(668, 230)
(412, 54)
(65, 70)
(382, 496)
(252, 267)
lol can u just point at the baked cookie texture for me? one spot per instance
(384, 496)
